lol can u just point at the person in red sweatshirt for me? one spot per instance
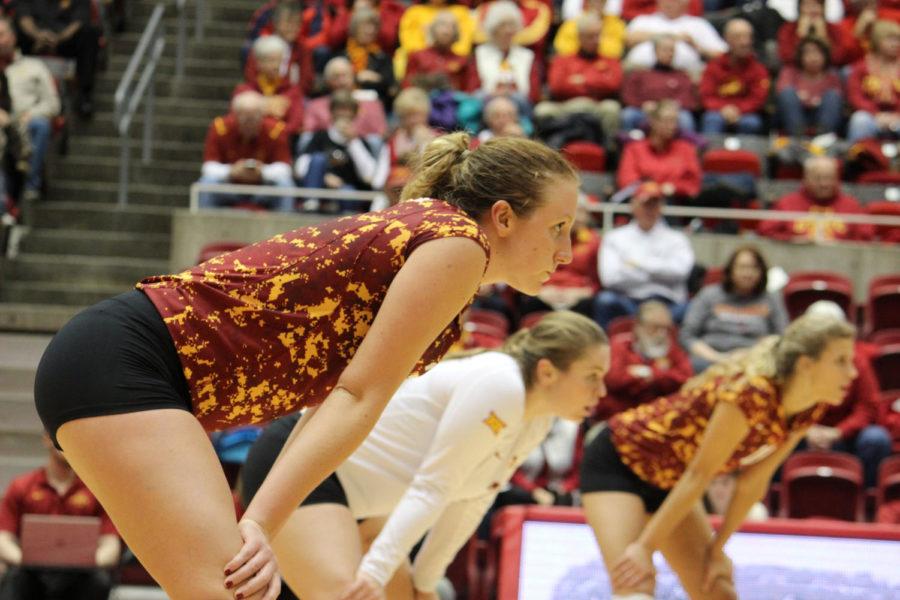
(586, 81)
(661, 158)
(853, 425)
(646, 363)
(735, 85)
(438, 65)
(286, 22)
(873, 88)
(820, 193)
(284, 100)
(811, 23)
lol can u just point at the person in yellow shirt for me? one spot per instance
(612, 36)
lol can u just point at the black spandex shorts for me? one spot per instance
(602, 470)
(112, 358)
(262, 456)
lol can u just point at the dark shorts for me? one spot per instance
(112, 358)
(262, 456)
(602, 470)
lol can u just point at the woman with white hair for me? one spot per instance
(284, 99)
(502, 67)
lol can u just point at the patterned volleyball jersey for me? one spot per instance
(657, 440)
(267, 330)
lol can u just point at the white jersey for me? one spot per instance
(447, 442)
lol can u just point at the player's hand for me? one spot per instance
(718, 566)
(633, 568)
(364, 588)
(253, 572)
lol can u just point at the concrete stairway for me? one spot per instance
(81, 247)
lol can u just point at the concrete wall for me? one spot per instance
(860, 262)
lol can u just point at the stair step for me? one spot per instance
(107, 169)
(73, 268)
(200, 109)
(103, 217)
(17, 379)
(169, 127)
(225, 67)
(19, 414)
(35, 317)
(108, 146)
(22, 448)
(139, 194)
(96, 243)
(40, 292)
(229, 11)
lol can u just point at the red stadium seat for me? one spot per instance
(883, 304)
(822, 484)
(731, 161)
(888, 488)
(882, 177)
(530, 319)
(482, 335)
(713, 275)
(586, 156)
(217, 249)
(884, 337)
(620, 325)
(885, 233)
(886, 364)
(805, 287)
(489, 317)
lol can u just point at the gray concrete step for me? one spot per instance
(34, 318)
(41, 292)
(77, 269)
(149, 194)
(96, 243)
(103, 217)
(17, 413)
(201, 109)
(166, 127)
(106, 168)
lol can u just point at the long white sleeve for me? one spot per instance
(215, 170)
(615, 271)
(276, 171)
(673, 265)
(468, 434)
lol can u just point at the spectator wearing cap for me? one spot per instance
(873, 88)
(698, 41)
(585, 82)
(734, 314)
(53, 489)
(372, 67)
(501, 65)
(809, 92)
(34, 102)
(643, 89)
(853, 426)
(438, 66)
(64, 29)
(611, 43)
(734, 86)
(819, 194)
(283, 99)
(370, 122)
(338, 158)
(661, 158)
(643, 260)
(246, 147)
(297, 67)
(646, 364)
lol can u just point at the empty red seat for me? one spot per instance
(217, 249)
(586, 156)
(532, 318)
(888, 487)
(713, 275)
(885, 233)
(805, 287)
(489, 317)
(824, 485)
(731, 161)
(883, 177)
(886, 364)
(883, 303)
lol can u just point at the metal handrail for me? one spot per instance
(181, 36)
(128, 97)
(606, 208)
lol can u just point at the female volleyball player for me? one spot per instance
(445, 446)
(335, 315)
(643, 476)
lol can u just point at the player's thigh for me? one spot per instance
(400, 587)
(158, 478)
(617, 519)
(685, 551)
(319, 550)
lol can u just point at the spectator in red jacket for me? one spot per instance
(53, 489)
(389, 13)
(810, 92)
(735, 85)
(284, 100)
(644, 88)
(820, 193)
(873, 88)
(646, 364)
(853, 426)
(438, 66)
(585, 82)
(245, 147)
(662, 158)
(811, 23)
(287, 20)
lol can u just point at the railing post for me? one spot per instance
(124, 156)
(199, 18)
(182, 40)
(148, 119)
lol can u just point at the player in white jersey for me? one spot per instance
(445, 445)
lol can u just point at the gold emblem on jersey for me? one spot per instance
(494, 423)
